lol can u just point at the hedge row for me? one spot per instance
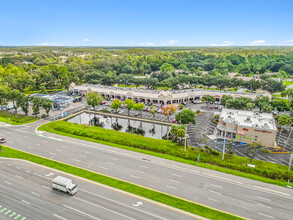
(263, 169)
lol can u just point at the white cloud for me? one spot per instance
(258, 42)
(146, 44)
(86, 39)
(226, 43)
(289, 41)
(171, 42)
(48, 44)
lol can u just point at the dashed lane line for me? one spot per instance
(81, 212)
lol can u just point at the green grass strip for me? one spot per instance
(169, 150)
(15, 119)
(164, 198)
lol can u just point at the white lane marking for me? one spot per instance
(28, 171)
(112, 158)
(25, 136)
(139, 171)
(42, 176)
(38, 144)
(76, 160)
(31, 148)
(81, 212)
(18, 168)
(44, 141)
(64, 146)
(263, 198)
(25, 202)
(35, 193)
(109, 163)
(176, 175)
(268, 216)
(87, 152)
(125, 216)
(143, 166)
(7, 182)
(215, 192)
(19, 176)
(262, 205)
(213, 200)
(105, 168)
(122, 204)
(175, 181)
(11, 142)
(135, 177)
(82, 155)
(273, 191)
(59, 150)
(171, 187)
(52, 153)
(46, 187)
(59, 217)
(9, 164)
(216, 186)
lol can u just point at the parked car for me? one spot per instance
(103, 103)
(136, 114)
(38, 112)
(174, 120)
(2, 140)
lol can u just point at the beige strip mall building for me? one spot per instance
(247, 126)
(157, 96)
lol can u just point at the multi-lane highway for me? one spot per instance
(26, 193)
(233, 194)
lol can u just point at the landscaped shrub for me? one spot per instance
(264, 169)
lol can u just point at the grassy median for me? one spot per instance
(167, 199)
(264, 171)
(15, 119)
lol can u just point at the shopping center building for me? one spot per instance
(247, 126)
(157, 96)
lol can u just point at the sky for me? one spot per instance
(146, 23)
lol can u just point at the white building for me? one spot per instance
(247, 126)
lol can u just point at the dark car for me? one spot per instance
(2, 140)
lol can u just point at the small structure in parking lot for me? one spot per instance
(247, 126)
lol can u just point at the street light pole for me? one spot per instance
(53, 112)
(290, 161)
(223, 154)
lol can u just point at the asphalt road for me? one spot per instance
(26, 193)
(233, 194)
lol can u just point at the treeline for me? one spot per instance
(44, 66)
(261, 102)
(18, 99)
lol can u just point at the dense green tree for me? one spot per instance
(93, 99)
(186, 116)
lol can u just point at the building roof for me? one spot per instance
(263, 121)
